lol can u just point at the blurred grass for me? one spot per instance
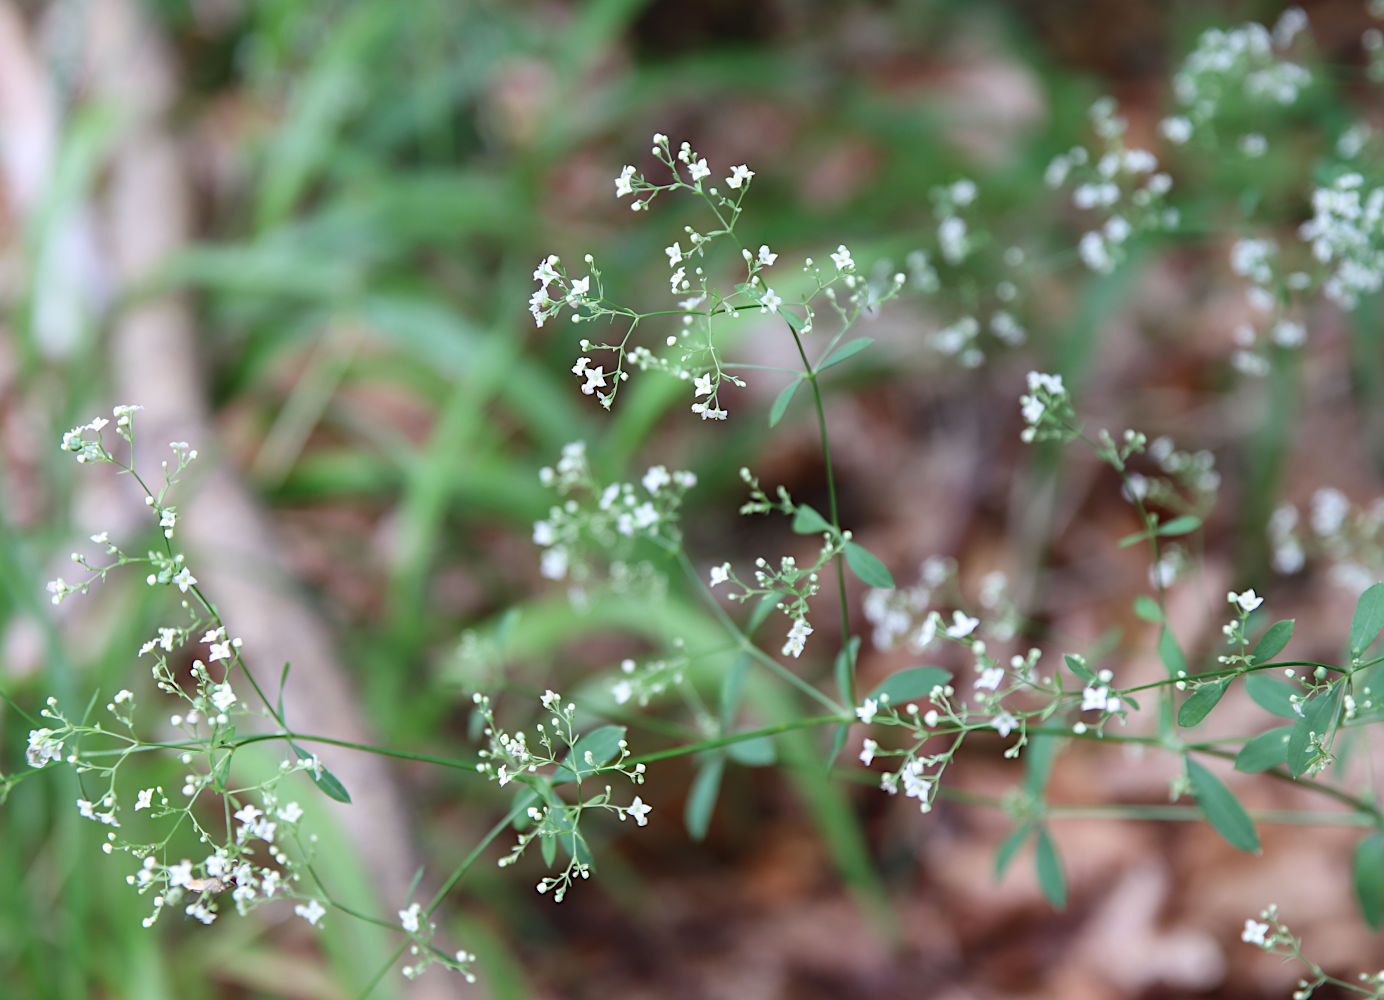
(395, 172)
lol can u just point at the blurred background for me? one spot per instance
(301, 235)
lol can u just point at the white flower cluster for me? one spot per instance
(1046, 409)
(1349, 536)
(1346, 234)
(1257, 260)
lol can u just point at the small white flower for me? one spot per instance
(720, 574)
(675, 280)
(866, 712)
(797, 638)
(701, 385)
(579, 290)
(222, 697)
(770, 300)
(622, 183)
(184, 580)
(313, 912)
(1247, 601)
(842, 259)
(656, 478)
(868, 748)
(144, 799)
(291, 813)
(738, 176)
(408, 919)
(989, 679)
(1094, 699)
(962, 625)
(766, 257)
(639, 809)
(595, 379)
(546, 271)
(1255, 933)
(674, 253)
(697, 171)
(1004, 723)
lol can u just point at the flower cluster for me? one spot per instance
(1349, 536)
(1346, 234)
(1047, 410)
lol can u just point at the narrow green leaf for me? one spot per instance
(1318, 714)
(864, 565)
(781, 402)
(701, 797)
(1264, 752)
(910, 684)
(1272, 695)
(1133, 539)
(806, 521)
(1199, 704)
(1051, 879)
(758, 752)
(733, 688)
(838, 743)
(1183, 525)
(845, 669)
(1147, 609)
(1171, 653)
(1222, 809)
(548, 845)
(1368, 878)
(792, 319)
(1009, 848)
(1076, 666)
(283, 683)
(1273, 640)
(845, 352)
(330, 785)
(1367, 620)
(1038, 758)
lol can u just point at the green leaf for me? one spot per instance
(1038, 758)
(1009, 848)
(1273, 640)
(1133, 539)
(1199, 704)
(548, 845)
(1222, 809)
(327, 782)
(283, 683)
(602, 744)
(838, 742)
(1051, 878)
(845, 352)
(1184, 525)
(845, 669)
(1076, 666)
(781, 401)
(1318, 713)
(1264, 752)
(1368, 878)
(758, 752)
(910, 684)
(1171, 653)
(1272, 695)
(733, 688)
(1367, 620)
(1147, 609)
(792, 319)
(701, 797)
(865, 566)
(806, 521)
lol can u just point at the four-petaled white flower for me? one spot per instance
(1004, 723)
(640, 810)
(595, 379)
(766, 256)
(698, 170)
(842, 259)
(408, 919)
(738, 175)
(144, 799)
(770, 300)
(989, 679)
(866, 711)
(701, 385)
(579, 290)
(1255, 933)
(674, 253)
(720, 574)
(962, 625)
(1098, 699)
(1247, 601)
(797, 637)
(868, 748)
(623, 185)
(546, 271)
(184, 580)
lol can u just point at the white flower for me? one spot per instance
(674, 253)
(1247, 601)
(866, 712)
(291, 813)
(622, 691)
(179, 874)
(675, 279)
(766, 257)
(697, 171)
(738, 175)
(184, 580)
(841, 257)
(868, 748)
(622, 183)
(595, 379)
(719, 574)
(656, 478)
(222, 697)
(770, 300)
(579, 290)
(1255, 933)
(408, 919)
(313, 912)
(962, 625)
(43, 748)
(990, 679)
(1004, 723)
(797, 637)
(546, 272)
(639, 809)
(701, 385)
(1096, 699)
(144, 799)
